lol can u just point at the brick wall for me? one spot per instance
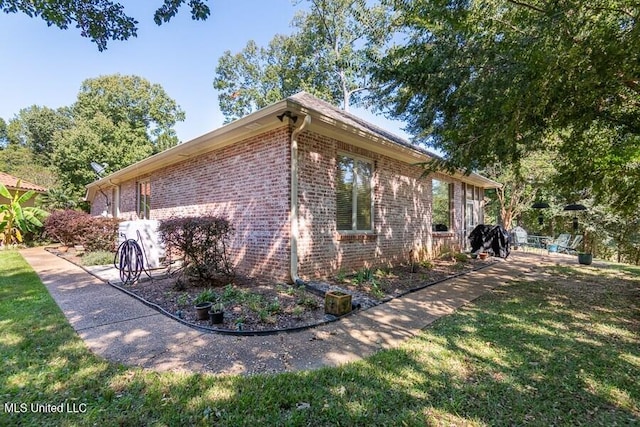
(247, 182)
(402, 212)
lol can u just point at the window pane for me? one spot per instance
(353, 194)
(144, 199)
(344, 193)
(363, 189)
(440, 205)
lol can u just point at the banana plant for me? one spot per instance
(17, 219)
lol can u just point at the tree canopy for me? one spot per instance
(34, 127)
(491, 81)
(117, 120)
(330, 55)
(99, 20)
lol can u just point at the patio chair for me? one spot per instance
(571, 248)
(561, 241)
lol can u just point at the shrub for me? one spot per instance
(71, 227)
(460, 257)
(102, 234)
(98, 258)
(203, 241)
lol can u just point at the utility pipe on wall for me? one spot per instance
(293, 215)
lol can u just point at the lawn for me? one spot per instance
(564, 350)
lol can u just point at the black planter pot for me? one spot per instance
(216, 317)
(202, 310)
(585, 259)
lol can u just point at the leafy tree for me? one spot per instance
(3, 133)
(15, 219)
(59, 199)
(132, 101)
(489, 81)
(329, 55)
(117, 120)
(522, 184)
(100, 140)
(34, 127)
(100, 20)
(258, 76)
(19, 161)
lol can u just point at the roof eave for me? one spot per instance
(404, 152)
(187, 149)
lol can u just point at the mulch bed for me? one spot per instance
(256, 305)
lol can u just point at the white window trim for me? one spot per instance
(451, 204)
(354, 200)
(141, 213)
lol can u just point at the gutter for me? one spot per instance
(293, 215)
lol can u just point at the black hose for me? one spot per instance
(130, 261)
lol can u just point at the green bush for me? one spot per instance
(203, 241)
(71, 227)
(98, 258)
(461, 257)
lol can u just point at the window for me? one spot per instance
(353, 194)
(144, 199)
(441, 205)
(472, 206)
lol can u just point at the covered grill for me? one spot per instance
(493, 239)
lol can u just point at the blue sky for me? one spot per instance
(45, 65)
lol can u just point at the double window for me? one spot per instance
(354, 201)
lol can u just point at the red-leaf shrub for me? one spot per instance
(71, 227)
(203, 241)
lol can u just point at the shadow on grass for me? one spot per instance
(558, 352)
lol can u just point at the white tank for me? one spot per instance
(148, 238)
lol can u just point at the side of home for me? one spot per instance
(311, 191)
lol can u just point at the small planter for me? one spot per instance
(483, 255)
(337, 303)
(202, 310)
(216, 317)
(585, 259)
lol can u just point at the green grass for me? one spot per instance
(563, 351)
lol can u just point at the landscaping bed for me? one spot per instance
(257, 305)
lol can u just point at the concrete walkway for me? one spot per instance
(122, 329)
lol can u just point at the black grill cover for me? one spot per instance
(493, 239)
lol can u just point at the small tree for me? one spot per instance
(203, 241)
(16, 219)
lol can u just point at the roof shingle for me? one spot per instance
(11, 182)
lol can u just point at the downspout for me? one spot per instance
(294, 201)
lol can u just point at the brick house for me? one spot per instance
(311, 190)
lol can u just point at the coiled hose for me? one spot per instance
(129, 260)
